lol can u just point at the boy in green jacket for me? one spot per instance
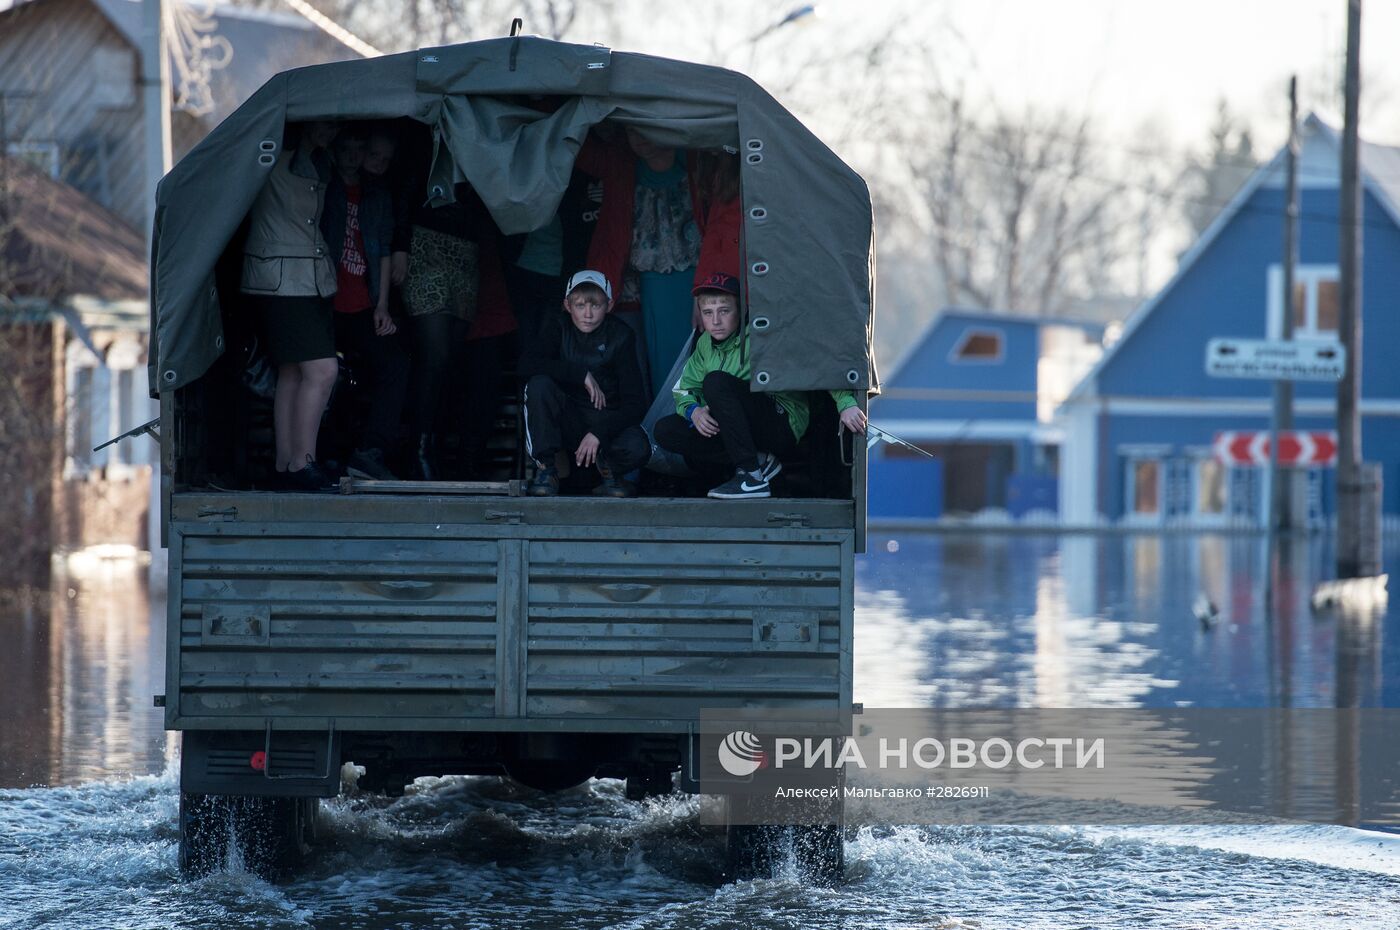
(718, 420)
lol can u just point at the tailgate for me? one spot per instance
(427, 613)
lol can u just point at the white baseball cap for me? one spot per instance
(596, 278)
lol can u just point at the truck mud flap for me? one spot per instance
(271, 763)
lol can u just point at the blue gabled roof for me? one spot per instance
(1380, 171)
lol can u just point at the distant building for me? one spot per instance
(979, 391)
(1140, 426)
(73, 336)
(70, 94)
(73, 299)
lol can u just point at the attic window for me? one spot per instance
(1316, 302)
(979, 346)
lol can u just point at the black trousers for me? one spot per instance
(557, 421)
(749, 423)
(384, 359)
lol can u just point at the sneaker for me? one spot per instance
(769, 465)
(369, 463)
(545, 483)
(309, 479)
(611, 485)
(743, 484)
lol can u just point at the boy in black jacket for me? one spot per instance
(584, 391)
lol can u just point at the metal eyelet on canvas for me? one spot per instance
(170, 374)
(755, 145)
(438, 191)
(760, 322)
(759, 268)
(853, 376)
(266, 160)
(755, 158)
(219, 342)
(761, 377)
(758, 214)
(267, 145)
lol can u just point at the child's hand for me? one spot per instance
(853, 419)
(704, 422)
(595, 393)
(383, 323)
(587, 452)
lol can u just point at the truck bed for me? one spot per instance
(427, 613)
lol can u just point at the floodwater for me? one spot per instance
(88, 794)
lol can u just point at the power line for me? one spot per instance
(1170, 196)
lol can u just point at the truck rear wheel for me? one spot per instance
(266, 836)
(814, 849)
(763, 851)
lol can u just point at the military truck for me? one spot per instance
(462, 628)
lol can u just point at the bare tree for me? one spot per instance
(1212, 180)
(1020, 212)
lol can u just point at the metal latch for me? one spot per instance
(785, 632)
(791, 519)
(233, 623)
(505, 516)
(228, 513)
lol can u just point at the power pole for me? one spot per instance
(155, 101)
(1281, 503)
(1349, 485)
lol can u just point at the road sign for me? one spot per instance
(1295, 449)
(1304, 360)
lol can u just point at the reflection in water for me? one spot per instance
(988, 620)
(78, 674)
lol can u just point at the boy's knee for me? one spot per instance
(541, 386)
(720, 382)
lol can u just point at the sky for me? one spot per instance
(1126, 61)
(1131, 59)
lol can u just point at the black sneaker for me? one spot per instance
(769, 465)
(310, 479)
(369, 463)
(545, 483)
(611, 485)
(743, 484)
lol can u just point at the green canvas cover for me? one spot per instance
(808, 234)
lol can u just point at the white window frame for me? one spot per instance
(105, 414)
(971, 333)
(1308, 276)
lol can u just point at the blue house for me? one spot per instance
(1139, 428)
(978, 390)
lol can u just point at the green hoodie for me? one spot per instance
(732, 357)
